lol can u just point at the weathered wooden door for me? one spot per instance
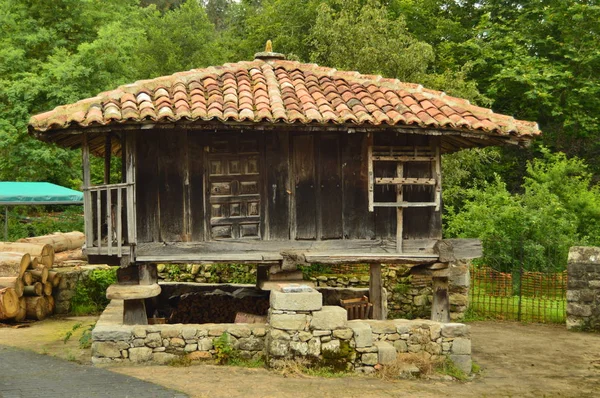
(234, 186)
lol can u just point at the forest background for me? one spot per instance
(533, 59)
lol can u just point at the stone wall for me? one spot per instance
(66, 289)
(298, 326)
(583, 289)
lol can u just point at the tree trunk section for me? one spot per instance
(27, 278)
(37, 307)
(13, 264)
(37, 289)
(22, 314)
(44, 253)
(13, 282)
(47, 289)
(51, 304)
(59, 241)
(70, 255)
(40, 274)
(54, 278)
(9, 303)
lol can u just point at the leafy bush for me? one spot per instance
(26, 221)
(559, 208)
(90, 292)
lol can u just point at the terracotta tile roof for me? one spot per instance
(280, 91)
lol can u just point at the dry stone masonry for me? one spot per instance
(298, 327)
(583, 289)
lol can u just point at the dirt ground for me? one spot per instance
(517, 361)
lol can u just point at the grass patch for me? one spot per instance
(404, 365)
(247, 363)
(448, 367)
(181, 361)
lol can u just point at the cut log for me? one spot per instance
(40, 274)
(14, 282)
(37, 289)
(13, 264)
(44, 253)
(70, 255)
(51, 304)
(22, 314)
(27, 278)
(36, 307)
(47, 289)
(59, 241)
(9, 303)
(54, 278)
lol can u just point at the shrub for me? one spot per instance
(90, 292)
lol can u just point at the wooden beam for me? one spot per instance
(107, 157)
(376, 291)
(392, 158)
(370, 175)
(404, 204)
(87, 195)
(404, 181)
(399, 211)
(440, 308)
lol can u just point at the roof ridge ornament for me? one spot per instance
(268, 54)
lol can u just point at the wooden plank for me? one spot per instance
(404, 181)
(87, 195)
(277, 182)
(370, 175)
(171, 186)
(399, 214)
(119, 217)
(330, 188)
(404, 204)
(357, 258)
(99, 218)
(187, 216)
(403, 158)
(440, 308)
(376, 291)
(107, 157)
(109, 226)
(196, 156)
(358, 220)
(130, 168)
(304, 187)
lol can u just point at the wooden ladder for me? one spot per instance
(401, 155)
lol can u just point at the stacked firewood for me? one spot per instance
(27, 278)
(215, 307)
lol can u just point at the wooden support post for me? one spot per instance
(376, 292)
(107, 156)
(440, 308)
(134, 310)
(87, 195)
(148, 275)
(370, 175)
(399, 214)
(262, 275)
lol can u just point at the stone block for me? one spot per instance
(251, 343)
(454, 330)
(199, 355)
(288, 321)
(163, 358)
(314, 347)
(574, 323)
(279, 348)
(344, 334)
(299, 347)
(190, 347)
(330, 317)
(170, 332)
(386, 353)
(370, 358)
(400, 346)
(259, 332)
(177, 342)
(320, 333)
(461, 346)
(333, 346)
(584, 255)
(277, 334)
(139, 332)
(112, 332)
(216, 330)
(188, 333)
(140, 354)
(301, 301)
(239, 331)
(153, 340)
(435, 331)
(106, 349)
(205, 344)
(383, 327)
(363, 335)
(462, 362)
(304, 336)
(574, 309)
(458, 299)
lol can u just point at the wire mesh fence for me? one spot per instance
(519, 295)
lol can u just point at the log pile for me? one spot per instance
(216, 307)
(67, 247)
(27, 278)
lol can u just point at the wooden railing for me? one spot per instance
(110, 218)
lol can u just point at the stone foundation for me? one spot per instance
(298, 327)
(583, 289)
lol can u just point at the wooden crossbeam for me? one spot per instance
(401, 158)
(404, 204)
(404, 181)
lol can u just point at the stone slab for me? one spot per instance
(386, 353)
(301, 301)
(288, 321)
(363, 336)
(329, 318)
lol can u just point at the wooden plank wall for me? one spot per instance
(314, 187)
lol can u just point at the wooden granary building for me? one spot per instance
(272, 162)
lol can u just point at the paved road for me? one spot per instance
(25, 374)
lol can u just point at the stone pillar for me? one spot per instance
(583, 289)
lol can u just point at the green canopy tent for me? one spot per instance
(35, 193)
